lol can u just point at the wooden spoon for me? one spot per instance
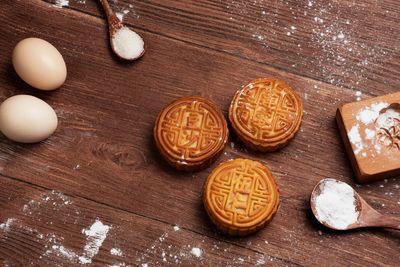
(367, 216)
(125, 43)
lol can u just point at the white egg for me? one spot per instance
(27, 119)
(39, 64)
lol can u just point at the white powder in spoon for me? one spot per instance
(127, 43)
(336, 204)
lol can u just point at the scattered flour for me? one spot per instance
(369, 134)
(260, 262)
(53, 243)
(53, 199)
(358, 95)
(119, 265)
(373, 124)
(6, 225)
(116, 252)
(336, 204)
(96, 235)
(355, 138)
(370, 113)
(61, 3)
(196, 252)
(120, 15)
(387, 119)
(61, 251)
(344, 54)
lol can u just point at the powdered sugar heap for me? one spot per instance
(336, 205)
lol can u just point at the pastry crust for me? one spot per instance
(241, 196)
(266, 114)
(190, 133)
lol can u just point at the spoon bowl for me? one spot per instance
(125, 43)
(366, 216)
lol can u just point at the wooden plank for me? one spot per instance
(40, 227)
(345, 43)
(103, 149)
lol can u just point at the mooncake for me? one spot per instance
(241, 196)
(266, 114)
(190, 133)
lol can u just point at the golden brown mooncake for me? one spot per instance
(266, 114)
(241, 196)
(190, 133)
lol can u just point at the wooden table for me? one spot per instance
(97, 190)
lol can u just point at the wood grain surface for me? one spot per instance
(102, 165)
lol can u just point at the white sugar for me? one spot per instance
(196, 252)
(128, 44)
(336, 204)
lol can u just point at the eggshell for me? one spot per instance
(39, 64)
(27, 119)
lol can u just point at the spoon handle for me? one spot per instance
(113, 21)
(388, 222)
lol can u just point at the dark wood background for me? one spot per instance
(102, 163)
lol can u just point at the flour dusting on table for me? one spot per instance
(96, 235)
(5, 226)
(196, 252)
(116, 252)
(61, 3)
